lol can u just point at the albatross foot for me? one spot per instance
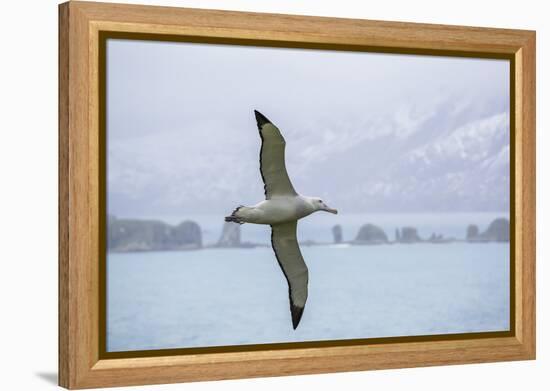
(234, 218)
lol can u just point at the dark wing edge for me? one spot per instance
(285, 246)
(261, 121)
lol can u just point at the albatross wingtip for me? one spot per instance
(261, 119)
(296, 315)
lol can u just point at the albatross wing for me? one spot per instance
(287, 251)
(272, 159)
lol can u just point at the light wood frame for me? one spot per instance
(81, 163)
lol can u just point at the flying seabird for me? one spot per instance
(282, 209)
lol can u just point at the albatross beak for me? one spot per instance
(330, 210)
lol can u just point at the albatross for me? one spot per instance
(281, 209)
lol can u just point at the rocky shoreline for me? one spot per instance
(133, 235)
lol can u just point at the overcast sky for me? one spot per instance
(367, 132)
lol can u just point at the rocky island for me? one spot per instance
(498, 231)
(127, 235)
(370, 234)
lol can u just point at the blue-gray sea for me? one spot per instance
(218, 297)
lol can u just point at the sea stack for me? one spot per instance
(409, 235)
(337, 233)
(472, 232)
(231, 236)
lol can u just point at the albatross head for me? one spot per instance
(318, 204)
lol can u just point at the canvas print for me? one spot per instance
(263, 195)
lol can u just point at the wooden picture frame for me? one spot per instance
(82, 29)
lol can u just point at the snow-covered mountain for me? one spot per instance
(431, 167)
(462, 168)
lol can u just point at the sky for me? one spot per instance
(367, 132)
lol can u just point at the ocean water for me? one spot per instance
(217, 297)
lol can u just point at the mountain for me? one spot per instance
(449, 158)
(462, 168)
